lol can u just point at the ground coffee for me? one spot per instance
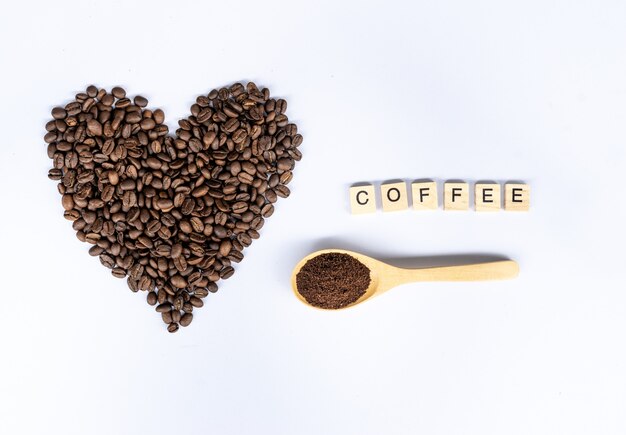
(171, 213)
(332, 280)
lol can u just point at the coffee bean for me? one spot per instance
(180, 263)
(285, 164)
(196, 302)
(92, 238)
(94, 127)
(140, 101)
(240, 207)
(285, 177)
(220, 231)
(127, 184)
(59, 113)
(152, 298)
(107, 261)
(122, 103)
(118, 272)
(153, 163)
(68, 202)
(107, 193)
(145, 241)
(227, 272)
(186, 319)
(176, 251)
(201, 292)
(163, 307)
(96, 250)
(225, 247)
(165, 204)
(118, 92)
(282, 191)
(171, 213)
(178, 281)
(158, 116)
(244, 239)
(166, 316)
(133, 117)
(267, 210)
(281, 106)
(147, 124)
(200, 191)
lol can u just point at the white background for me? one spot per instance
(532, 91)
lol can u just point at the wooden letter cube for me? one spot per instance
(456, 196)
(362, 199)
(516, 197)
(424, 195)
(394, 196)
(487, 197)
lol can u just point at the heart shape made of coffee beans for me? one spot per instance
(171, 213)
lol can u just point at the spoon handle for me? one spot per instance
(505, 269)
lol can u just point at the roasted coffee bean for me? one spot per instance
(107, 261)
(163, 307)
(285, 164)
(113, 178)
(118, 92)
(94, 127)
(55, 174)
(118, 272)
(151, 298)
(267, 210)
(282, 191)
(167, 317)
(158, 116)
(140, 101)
(71, 215)
(186, 319)
(179, 302)
(59, 113)
(225, 247)
(147, 124)
(180, 263)
(240, 207)
(92, 238)
(244, 239)
(107, 193)
(178, 281)
(200, 191)
(285, 177)
(68, 202)
(196, 302)
(96, 250)
(227, 272)
(201, 292)
(176, 251)
(171, 213)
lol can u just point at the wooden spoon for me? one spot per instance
(384, 277)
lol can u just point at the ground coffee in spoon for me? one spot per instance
(332, 280)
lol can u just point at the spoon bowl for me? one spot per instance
(384, 277)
